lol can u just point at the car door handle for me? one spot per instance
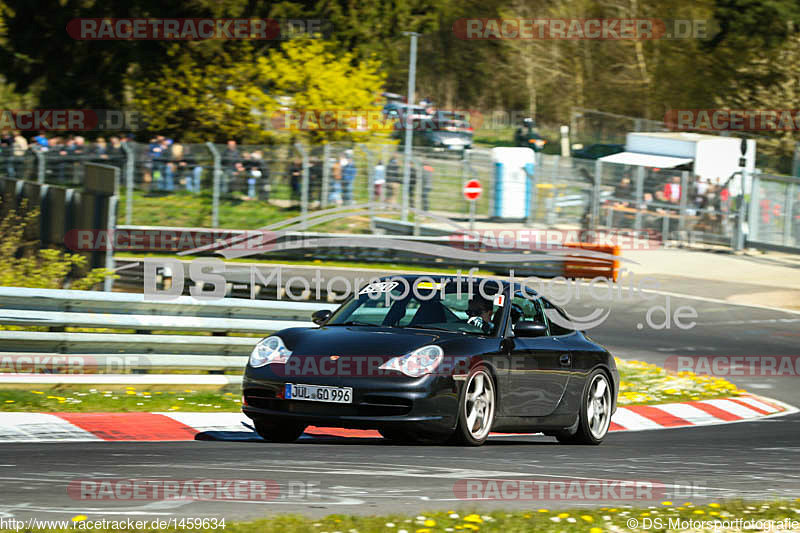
(565, 359)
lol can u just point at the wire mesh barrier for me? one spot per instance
(296, 179)
(774, 217)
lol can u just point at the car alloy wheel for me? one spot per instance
(476, 409)
(594, 417)
(598, 406)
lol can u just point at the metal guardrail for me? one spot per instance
(140, 351)
(127, 303)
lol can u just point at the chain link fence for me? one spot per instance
(565, 192)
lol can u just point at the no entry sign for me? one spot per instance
(472, 190)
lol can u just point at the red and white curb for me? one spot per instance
(61, 427)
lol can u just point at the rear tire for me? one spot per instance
(279, 432)
(476, 409)
(594, 417)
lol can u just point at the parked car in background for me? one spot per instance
(444, 131)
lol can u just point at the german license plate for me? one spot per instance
(319, 393)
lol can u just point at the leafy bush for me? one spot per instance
(24, 265)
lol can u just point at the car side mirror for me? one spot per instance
(530, 329)
(321, 316)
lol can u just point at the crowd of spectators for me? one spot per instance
(708, 202)
(165, 165)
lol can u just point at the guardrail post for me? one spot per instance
(637, 223)
(303, 185)
(217, 175)
(129, 167)
(326, 176)
(40, 166)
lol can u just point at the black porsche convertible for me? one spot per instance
(434, 358)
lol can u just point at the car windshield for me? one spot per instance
(444, 306)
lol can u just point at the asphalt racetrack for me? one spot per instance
(319, 476)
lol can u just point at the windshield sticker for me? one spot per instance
(379, 288)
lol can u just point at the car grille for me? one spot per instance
(370, 405)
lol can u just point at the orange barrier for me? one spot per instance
(606, 268)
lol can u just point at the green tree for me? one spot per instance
(240, 93)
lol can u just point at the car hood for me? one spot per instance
(360, 340)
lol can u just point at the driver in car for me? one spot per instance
(480, 313)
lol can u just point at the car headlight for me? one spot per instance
(417, 363)
(270, 350)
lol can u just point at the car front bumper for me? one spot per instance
(427, 405)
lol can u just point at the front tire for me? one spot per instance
(278, 432)
(594, 417)
(476, 408)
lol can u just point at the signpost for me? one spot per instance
(472, 191)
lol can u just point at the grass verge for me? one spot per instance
(185, 209)
(673, 516)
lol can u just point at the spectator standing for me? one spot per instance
(335, 195)
(115, 153)
(393, 178)
(232, 163)
(154, 161)
(315, 181)
(427, 185)
(193, 178)
(379, 180)
(42, 143)
(163, 171)
(295, 178)
(100, 149)
(65, 148)
(258, 186)
(7, 146)
(348, 176)
(252, 173)
(672, 190)
(19, 148)
(176, 165)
